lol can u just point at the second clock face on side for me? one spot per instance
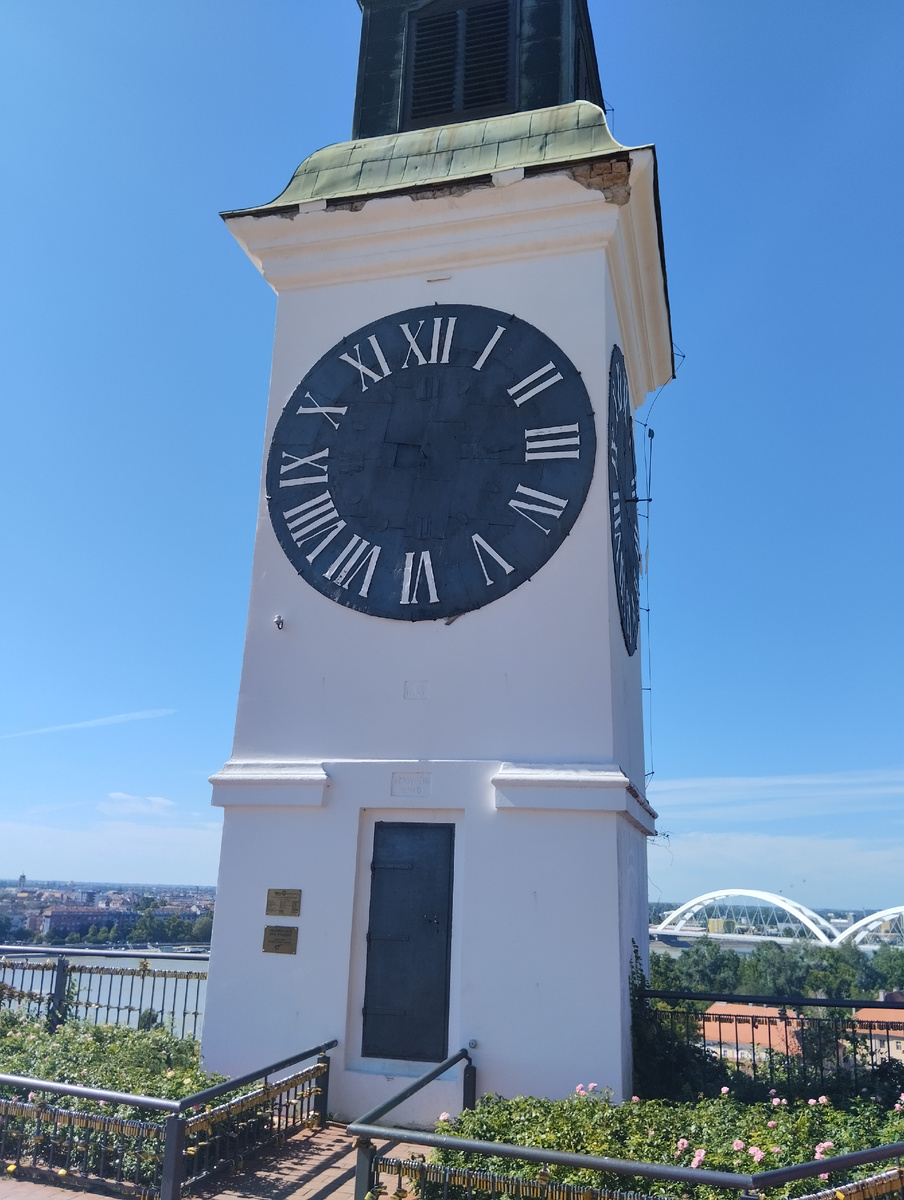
(431, 462)
(623, 500)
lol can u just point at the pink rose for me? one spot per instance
(725, 1091)
(823, 1177)
(635, 1099)
(683, 1143)
(699, 1155)
(772, 1091)
(444, 1116)
(775, 1100)
(897, 1108)
(737, 1144)
(756, 1154)
(580, 1090)
(811, 1103)
(776, 1149)
(771, 1124)
(823, 1099)
(591, 1087)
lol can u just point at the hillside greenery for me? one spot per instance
(771, 969)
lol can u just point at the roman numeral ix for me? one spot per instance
(292, 463)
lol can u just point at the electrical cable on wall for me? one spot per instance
(647, 685)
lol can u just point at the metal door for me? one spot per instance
(406, 986)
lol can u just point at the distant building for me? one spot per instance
(885, 1028)
(62, 920)
(748, 1031)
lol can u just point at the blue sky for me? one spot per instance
(134, 356)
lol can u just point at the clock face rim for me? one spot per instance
(622, 513)
(531, 410)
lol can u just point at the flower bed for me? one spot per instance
(717, 1134)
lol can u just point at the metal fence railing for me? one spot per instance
(158, 1147)
(139, 995)
(838, 1045)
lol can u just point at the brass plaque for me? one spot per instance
(283, 902)
(280, 939)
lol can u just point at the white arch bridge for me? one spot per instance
(746, 915)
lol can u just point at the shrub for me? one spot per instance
(147, 1062)
(718, 1134)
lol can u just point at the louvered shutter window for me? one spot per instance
(460, 63)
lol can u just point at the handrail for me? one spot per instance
(621, 1166)
(203, 952)
(775, 1001)
(156, 1102)
(87, 1093)
(421, 1081)
(220, 1089)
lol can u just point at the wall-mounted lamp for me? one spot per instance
(278, 622)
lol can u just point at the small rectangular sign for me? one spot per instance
(410, 783)
(280, 939)
(283, 902)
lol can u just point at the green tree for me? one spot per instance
(888, 965)
(838, 971)
(774, 970)
(203, 927)
(149, 928)
(706, 967)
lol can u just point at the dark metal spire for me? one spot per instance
(437, 62)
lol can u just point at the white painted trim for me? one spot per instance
(254, 782)
(599, 788)
(638, 285)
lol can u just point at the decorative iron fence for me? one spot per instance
(139, 996)
(159, 1156)
(703, 1040)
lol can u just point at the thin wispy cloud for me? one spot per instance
(148, 714)
(843, 872)
(779, 797)
(122, 804)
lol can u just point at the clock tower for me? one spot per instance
(434, 812)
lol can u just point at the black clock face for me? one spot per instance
(431, 462)
(623, 500)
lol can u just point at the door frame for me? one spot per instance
(367, 819)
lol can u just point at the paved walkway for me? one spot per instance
(310, 1166)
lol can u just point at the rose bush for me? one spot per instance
(721, 1133)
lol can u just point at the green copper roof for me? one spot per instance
(431, 157)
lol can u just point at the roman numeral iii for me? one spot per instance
(555, 441)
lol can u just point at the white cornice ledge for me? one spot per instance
(599, 787)
(253, 782)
